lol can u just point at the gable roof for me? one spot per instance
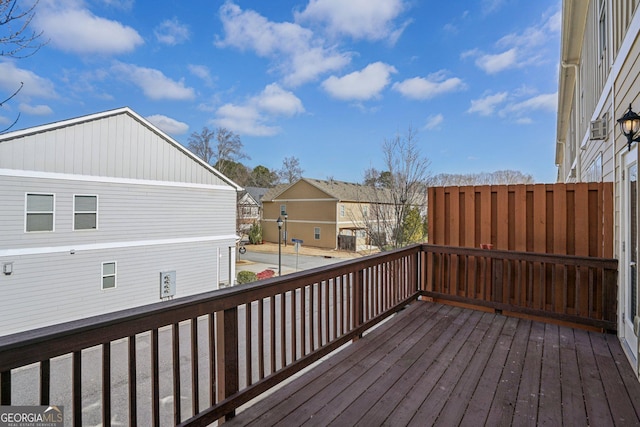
(83, 137)
(339, 190)
(257, 193)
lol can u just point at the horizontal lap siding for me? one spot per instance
(52, 288)
(572, 219)
(115, 146)
(126, 212)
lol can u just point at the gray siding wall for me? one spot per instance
(116, 146)
(126, 212)
(47, 289)
(145, 228)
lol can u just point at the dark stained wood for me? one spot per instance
(76, 390)
(133, 381)
(378, 287)
(5, 388)
(106, 384)
(45, 382)
(441, 365)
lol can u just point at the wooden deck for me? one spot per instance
(435, 364)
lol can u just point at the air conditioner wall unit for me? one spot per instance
(598, 128)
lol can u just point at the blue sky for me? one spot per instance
(325, 81)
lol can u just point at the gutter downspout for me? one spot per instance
(578, 150)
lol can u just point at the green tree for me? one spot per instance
(261, 176)
(235, 171)
(413, 227)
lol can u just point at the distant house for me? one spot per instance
(106, 212)
(249, 208)
(598, 85)
(322, 213)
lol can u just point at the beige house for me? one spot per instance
(598, 85)
(321, 213)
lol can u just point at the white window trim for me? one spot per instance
(316, 234)
(53, 212)
(75, 212)
(115, 275)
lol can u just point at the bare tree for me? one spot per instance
(502, 177)
(228, 150)
(16, 39)
(291, 170)
(226, 153)
(396, 192)
(200, 144)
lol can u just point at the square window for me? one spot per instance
(108, 275)
(39, 212)
(85, 212)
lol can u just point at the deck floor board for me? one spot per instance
(439, 365)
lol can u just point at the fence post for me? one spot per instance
(5, 388)
(227, 354)
(609, 294)
(358, 299)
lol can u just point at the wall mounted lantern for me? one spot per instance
(630, 125)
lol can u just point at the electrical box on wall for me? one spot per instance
(167, 284)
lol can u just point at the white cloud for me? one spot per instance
(153, 83)
(490, 6)
(515, 110)
(433, 85)
(360, 85)
(252, 117)
(275, 100)
(486, 106)
(119, 4)
(245, 120)
(296, 53)
(34, 85)
(168, 125)
(172, 32)
(359, 19)
(202, 72)
(35, 110)
(77, 30)
(434, 122)
(543, 102)
(528, 47)
(492, 64)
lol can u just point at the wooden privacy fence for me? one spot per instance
(580, 290)
(567, 219)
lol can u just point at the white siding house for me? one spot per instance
(599, 82)
(106, 212)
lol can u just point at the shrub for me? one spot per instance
(255, 234)
(246, 277)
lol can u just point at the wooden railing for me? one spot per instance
(214, 351)
(195, 360)
(579, 290)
